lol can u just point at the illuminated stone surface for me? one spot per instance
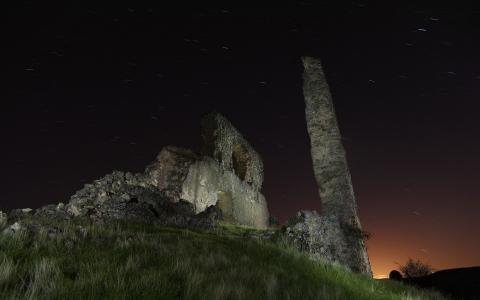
(339, 208)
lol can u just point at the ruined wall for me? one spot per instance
(181, 187)
(207, 183)
(223, 142)
(170, 168)
(230, 174)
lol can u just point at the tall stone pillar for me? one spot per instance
(331, 168)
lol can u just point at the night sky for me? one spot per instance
(91, 89)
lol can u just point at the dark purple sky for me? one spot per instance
(89, 89)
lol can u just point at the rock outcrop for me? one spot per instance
(331, 173)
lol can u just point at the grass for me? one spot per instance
(131, 261)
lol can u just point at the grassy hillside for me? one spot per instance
(125, 261)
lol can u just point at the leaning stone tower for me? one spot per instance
(331, 170)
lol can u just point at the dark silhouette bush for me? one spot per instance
(415, 268)
(395, 275)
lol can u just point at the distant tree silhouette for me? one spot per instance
(415, 268)
(395, 275)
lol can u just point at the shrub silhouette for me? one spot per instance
(395, 275)
(415, 268)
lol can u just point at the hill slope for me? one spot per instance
(128, 261)
(461, 283)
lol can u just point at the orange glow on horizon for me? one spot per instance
(403, 227)
(386, 255)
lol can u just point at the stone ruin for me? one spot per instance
(336, 235)
(178, 188)
(224, 182)
(228, 173)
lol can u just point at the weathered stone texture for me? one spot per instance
(168, 171)
(116, 196)
(127, 196)
(328, 239)
(329, 161)
(232, 181)
(330, 165)
(223, 142)
(208, 184)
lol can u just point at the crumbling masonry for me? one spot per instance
(229, 173)
(227, 176)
